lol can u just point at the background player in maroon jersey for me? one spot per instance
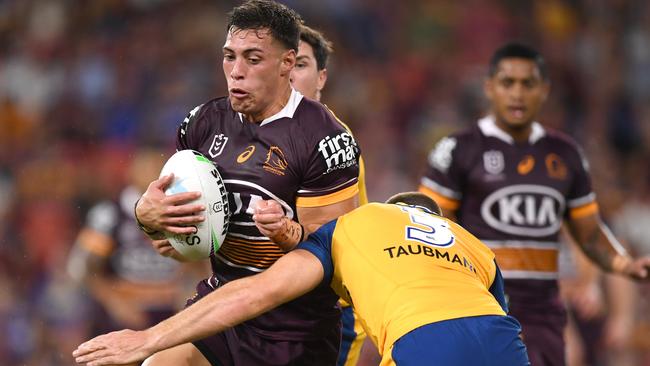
(133, 286)
(284, 159)
(511, 182)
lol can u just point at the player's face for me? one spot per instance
(516, 92)
(305, 77)
(257, 68)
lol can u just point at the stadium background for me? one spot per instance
(83, 83)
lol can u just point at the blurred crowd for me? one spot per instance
(84, 84)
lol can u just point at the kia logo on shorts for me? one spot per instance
(524, 209)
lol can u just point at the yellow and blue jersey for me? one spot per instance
(401, 268)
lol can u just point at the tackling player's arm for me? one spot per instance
(291, 276)
(600, 245)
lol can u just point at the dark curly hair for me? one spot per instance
(283, 22)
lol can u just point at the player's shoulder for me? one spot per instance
(456, 148)
(103, 216)
(316, 117)
(468, 136)
(371, 209)
(560, 138)
(215, 106)
(201, 119)
(363, 215)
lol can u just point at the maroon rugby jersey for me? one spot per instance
(513, 196)
(300, 157)
(129, 252)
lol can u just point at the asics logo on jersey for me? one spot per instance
(526, 165)
(339, 151)
(246, 154)
(525, 209)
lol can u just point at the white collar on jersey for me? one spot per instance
(288, 110)
(489, 127)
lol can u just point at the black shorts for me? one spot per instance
(243, 346)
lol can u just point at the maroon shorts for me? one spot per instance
(537, 306)
(242, 345)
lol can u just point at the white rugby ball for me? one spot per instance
(194, 172)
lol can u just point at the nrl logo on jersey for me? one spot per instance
(339, 151)
(218, 144)
(493, 162)
(524, 209)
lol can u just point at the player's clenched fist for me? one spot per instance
(271, 221)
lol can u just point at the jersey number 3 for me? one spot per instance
(432, 230)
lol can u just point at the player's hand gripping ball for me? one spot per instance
(194, 172)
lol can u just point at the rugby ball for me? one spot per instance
(194, 172)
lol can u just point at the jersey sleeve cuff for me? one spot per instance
(329, 199)
(448, 204)
(320, 245)
(583, 211)
(95, 243)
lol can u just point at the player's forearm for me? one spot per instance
(231, 304)
(622, 297)
(600, 245)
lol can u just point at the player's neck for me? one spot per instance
(520, 134)
(273, 108)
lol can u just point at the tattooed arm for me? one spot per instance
(270, 220)
(600, 245)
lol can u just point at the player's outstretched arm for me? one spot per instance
(600, 245)
(157, 212)
(291, 276)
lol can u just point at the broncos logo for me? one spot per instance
(275, 162)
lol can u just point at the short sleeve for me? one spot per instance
(443, 177)
(332, 167)
(497, 289)
(189, 129)
(320, 245)
(581, 198)
(103, 218)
